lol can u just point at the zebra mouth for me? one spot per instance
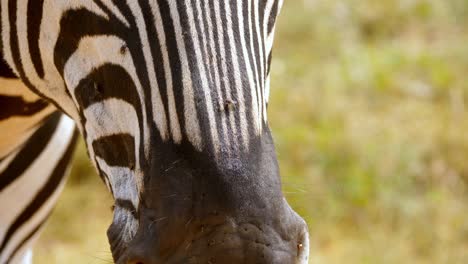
(227, 243)
(245, 243)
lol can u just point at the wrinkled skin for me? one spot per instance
(199, 212)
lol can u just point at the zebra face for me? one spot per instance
(171, 98)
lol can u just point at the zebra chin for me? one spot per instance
(229, 242)
(201, 211)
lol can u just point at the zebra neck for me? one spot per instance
(22, 112)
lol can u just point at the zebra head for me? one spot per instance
(171, 97)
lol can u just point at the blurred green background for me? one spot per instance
(368, 111)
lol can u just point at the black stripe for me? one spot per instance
(219, 96)
(14, 37)
(16, 106)
(134, 45)
(158, 62)
(272, 19)
(125, 204)
(262, 43)
(106, 82)
(247, 98)
(34, 15)
(15, 52)
(250, 37)
(28, 237)
(44, 194)
(201, 27)
(269, 62)
(74, 25)
(33, 147)
(229, 66)
(116, 150)
(261, 13)
(5, 70)
(256, 55)
(174, 62)
(217, 46)
(200, 99)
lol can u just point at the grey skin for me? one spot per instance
(203, 211)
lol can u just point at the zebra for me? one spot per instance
(171, 99)
(35, 153)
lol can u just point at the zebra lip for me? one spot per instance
(230, 243)
(245, 243)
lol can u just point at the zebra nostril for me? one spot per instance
(132, 262)
(140, 255)
(136, 261)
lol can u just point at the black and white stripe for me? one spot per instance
(174, 67)
(230, 44)
(35, 152)
(134, 74)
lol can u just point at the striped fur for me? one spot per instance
(188, 72)
(35, 151)
(228, 64)
(135, 74)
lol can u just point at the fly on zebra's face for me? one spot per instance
(171, 97)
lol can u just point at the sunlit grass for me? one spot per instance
(369, 116)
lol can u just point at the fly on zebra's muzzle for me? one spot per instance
(205, 211)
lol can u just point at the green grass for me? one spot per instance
(368, 111)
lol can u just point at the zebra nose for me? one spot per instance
(135, 262)
(137, 256)
(138, 260)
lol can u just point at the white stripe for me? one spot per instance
(32, 222)
(7, 160)
(6, 35)
(175, 125)
(214, 55)
(123, 181)
(268, 46)
(24, 255)
(20, 192)
(110, 117)
(126, 185)
(256, 88)
(226, 82)
(91, 55)
(109, 4)
(23, 44)
(237, 78)
(267, 96)
(190, 112)
(203, 76)
(270, 37)
(204, 43)
(248, 67)
(158, 107)
(52, 86)
(261, 51)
